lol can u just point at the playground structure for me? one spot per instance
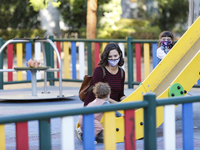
(45, 94)
(174, 76)
(179, 65)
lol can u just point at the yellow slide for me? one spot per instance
(181, 67)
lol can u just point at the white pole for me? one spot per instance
(196, 9)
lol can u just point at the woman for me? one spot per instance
(111, 60)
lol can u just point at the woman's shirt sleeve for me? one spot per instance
(97, 75)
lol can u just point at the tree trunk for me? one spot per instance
(91, 24)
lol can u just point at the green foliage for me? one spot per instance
(138, 29)
(74, 13)
(111, 13)
(171, 13)
(110, 26)
(29, 33)
(41, 4)
(17, 14)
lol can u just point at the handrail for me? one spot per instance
(149, 104)
(130, 54)
(71, 112)
(41, 41)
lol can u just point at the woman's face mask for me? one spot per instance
(113, 62)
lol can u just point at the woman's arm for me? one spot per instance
(112, 101)
(97, 75)
(123, 97)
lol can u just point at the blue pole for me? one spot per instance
(187, 124)
(73, 52)
(28, 57)
(154, 49)
(88, 132)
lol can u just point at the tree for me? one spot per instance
(91, 19)
(74, 13)
(92, 24)
(42, 4)
(18, 14)
(171, 13)
(49, 15)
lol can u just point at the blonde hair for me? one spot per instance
(101, 90)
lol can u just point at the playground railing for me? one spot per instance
(77, 59)
(76, 55)
(148, 104)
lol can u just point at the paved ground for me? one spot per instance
(13, 107)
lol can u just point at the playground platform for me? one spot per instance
(25, 106)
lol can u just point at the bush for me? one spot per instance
(138, 29)
(13, 33)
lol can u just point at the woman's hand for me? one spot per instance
(123, 97)
(112, 101)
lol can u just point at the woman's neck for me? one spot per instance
(112, 70)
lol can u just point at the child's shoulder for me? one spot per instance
(159, 48)
(96, 102)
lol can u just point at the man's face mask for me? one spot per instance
(113, 62)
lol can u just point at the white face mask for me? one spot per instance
(113, 62)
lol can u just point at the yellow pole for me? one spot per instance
(19, 60)
(146, 60)
(66, 59)
(109, 131)
(2, 138)
(103, 46)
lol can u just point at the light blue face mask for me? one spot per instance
(113, 62)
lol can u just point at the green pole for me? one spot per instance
(89, 55)
(1, 65)
(150, 122)
(50, 61)
(45, 134)
(130, 62)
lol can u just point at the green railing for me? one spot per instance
(50, 59)
(130, 81)
(149, 105)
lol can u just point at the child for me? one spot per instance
(166, 42)
(102, 93)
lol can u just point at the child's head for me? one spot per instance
(101, 90)
(166, 36)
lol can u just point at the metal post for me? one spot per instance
(150, 122)
(45, 64)
(45, 134)
(50, 61)
(130, 61)
(89, 55)
(196, 9)
(191, 13)
(1, 65)
(34, 82)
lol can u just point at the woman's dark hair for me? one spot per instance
(101, 90)
(166, 34)
(107, 49)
